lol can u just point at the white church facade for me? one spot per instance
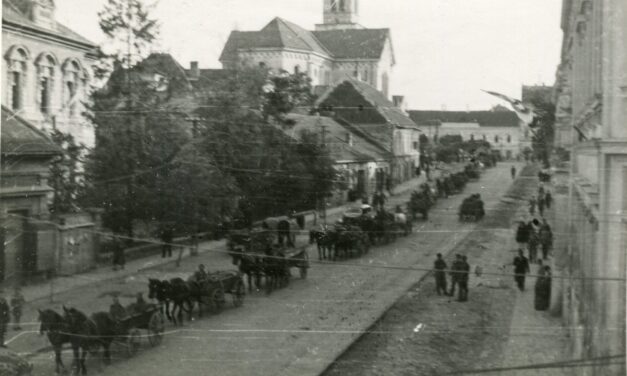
(337, 48)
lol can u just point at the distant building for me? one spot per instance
(591, 96)
(337, 48)
(365, 111)
(46, 68)
(500, 128)
(531, 93)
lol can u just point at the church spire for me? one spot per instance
(340, 14)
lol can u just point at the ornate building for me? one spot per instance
(45, 72)
(338, 48)
(591, 97)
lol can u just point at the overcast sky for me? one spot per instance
(446, 50)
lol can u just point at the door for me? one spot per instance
(361, 183)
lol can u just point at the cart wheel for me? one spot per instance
(156, 326)
(133, 341)
(217, 300)
(238, 294)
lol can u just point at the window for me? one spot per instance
(17, 59)
(415, 145)
(296, 69)
(342, 5)
(472, 137)
(484, 138)
(496, 139)
(72, 78)
(45, 82)
(262, 64)
(356, 72)
(509, 139)
(334, 5)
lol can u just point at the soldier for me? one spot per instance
(439, 267)
(455, 273)
(521, 268)
(17, 303)
(4, 317)
(463, 279)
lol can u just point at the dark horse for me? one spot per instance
(251, 266)
(58, 332)
(88, 334)
(176, 291)
(325, 241)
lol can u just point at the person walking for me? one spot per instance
(521, 268)
(456, 267)
(166, 238)
(532, 205)
(464, 276)
(4, 317)
(17, 304)
(534, 240)
(513, 171)
(522, 234)
(439, 267)
(546, 238)
(548, 199)
(542, 297)
(541, 204)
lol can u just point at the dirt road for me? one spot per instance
(298, 330)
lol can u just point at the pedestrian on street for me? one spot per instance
(201, 275)
(513, 171)
(116, 310)
(17, 304)
(119, 257)
(548, 199)
(456, 267)
(166, 238)
(4, 317)
(542, 298)
(532, 205)
(522, 234)
(439, 267)
(521, 268)
(534, 240)
(546, 238)
(463, 279)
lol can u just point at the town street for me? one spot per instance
(300, 329)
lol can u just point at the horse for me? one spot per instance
(87, 334)
(176, 291)
(384, 226)
(400, 219)
(58, 332)
(251, 266)
(276, 270)
(324, 239)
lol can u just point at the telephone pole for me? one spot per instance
(194, 235)
(323, 130)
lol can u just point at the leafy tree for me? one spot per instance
(64, 173)
(544, 130)
(284, 92)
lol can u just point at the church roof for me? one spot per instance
(354, 43)
(483, 118)
(279, 34)
(19, 137)
(11, 14)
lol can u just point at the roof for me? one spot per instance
(19, 137)
(354, 43)
(11, 13)
(483, 118)
(282, 34)
(361, 149)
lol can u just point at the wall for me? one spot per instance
(468, 130)
(76, 125)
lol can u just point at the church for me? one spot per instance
(337, 48)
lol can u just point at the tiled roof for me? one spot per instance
(279, 33)
(483, 118)
(19, 137)
(340, 150)
(354, 43)
(11, 13)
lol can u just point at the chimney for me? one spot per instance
(194, 71)
(349, 138)
(399, 101)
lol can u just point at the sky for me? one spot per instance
(447, 51)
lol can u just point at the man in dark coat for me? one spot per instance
(4, 317)
(439, 267)
(548, 199)
(521, 268)
(542, 298)
(513, 171)
(456, 268)
(522, 234)
(546, 238)
(463, 279)
(166, 239)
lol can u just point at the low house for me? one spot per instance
(367, 112)
(27, 241)
(500, 128)
(361, 163)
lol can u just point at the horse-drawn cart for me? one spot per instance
(150, 319)
(298, 258)
(220, 283)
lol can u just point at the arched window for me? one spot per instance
(586, 8)
(16, 67)
(296, 69)
(72, 85)
(46, 67)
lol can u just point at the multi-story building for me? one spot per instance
(591, 93)
(501, 129)
(339, 47)
(45, 72)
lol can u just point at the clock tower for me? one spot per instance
(339, 15)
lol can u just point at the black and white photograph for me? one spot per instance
(313, 187)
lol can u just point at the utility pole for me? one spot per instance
(194, 250)
(323, 129)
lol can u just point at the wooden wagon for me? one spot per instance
(298, 258)
(150, 319)
(220, 283)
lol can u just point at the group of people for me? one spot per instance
(6, 311)
(459, 273)
(542, 201)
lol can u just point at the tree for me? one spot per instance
(284, 92)
(543, 126)
(65, 174)
(131, 32)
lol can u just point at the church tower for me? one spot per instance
(339, 15)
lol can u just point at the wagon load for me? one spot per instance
(421, 201)
(471, 208)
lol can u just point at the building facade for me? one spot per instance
(502, 129)
(337, 49)
(46, 68)
(591, 93)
